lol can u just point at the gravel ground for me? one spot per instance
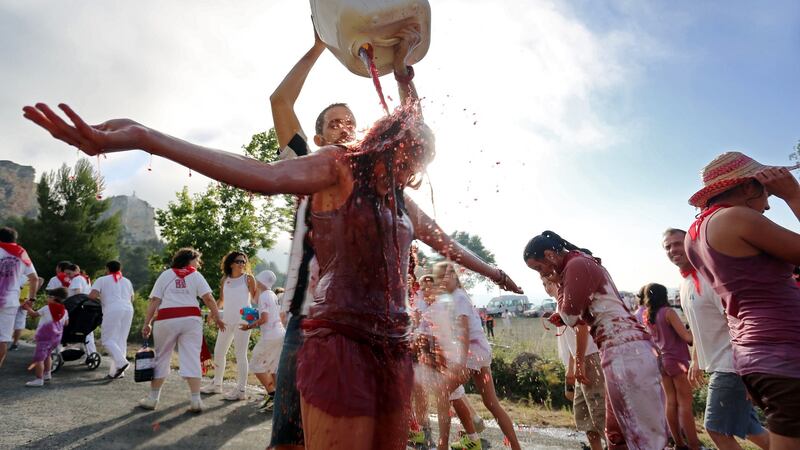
(80, 409)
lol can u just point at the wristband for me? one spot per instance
(407, 78)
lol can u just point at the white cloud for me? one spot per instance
(515, 82)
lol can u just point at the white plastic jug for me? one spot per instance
(345, 25)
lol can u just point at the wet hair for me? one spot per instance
(655, 298)
(114, 266)
(413, 286)
(227, 262)
(548, 240)
(671, 231)
(8, 235)
(183, 257)
(319, 125)
(442, 268)
(63, 265)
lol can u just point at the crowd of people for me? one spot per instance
(364, 349)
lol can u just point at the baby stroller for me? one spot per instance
(85, 315)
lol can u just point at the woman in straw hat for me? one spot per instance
(749, 261)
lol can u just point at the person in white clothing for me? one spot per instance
(60, 279)
(115, 294)
(475, 358)
(173, 305)
(237, 290)
(22, 313)
(267, 352)
(79, 284)
(14, 264)
(729, 414)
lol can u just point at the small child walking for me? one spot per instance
(52, 319)
(267, 352)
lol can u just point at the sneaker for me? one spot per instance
(13, 347)
(211, 389)
(466, 443)
(196, 406)
(120, 371)
(38, 382)
(269, 402)
(477, 421)
(148, 403)
(235, 395)
(48, 377)
(416, 437)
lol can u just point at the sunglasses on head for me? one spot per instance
(240, 261)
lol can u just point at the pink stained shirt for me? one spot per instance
(587, 292)
(762, 302)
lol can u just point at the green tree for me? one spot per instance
(68, 226)
(474, 244)
(223, 218)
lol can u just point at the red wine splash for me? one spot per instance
(367, 55)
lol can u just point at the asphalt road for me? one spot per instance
(79, 409)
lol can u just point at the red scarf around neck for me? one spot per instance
(117, 275)
(694, 230)
(57, 310)
(63, 278)
(693, 273)
(184, 272)
(16, 250)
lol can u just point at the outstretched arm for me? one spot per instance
(285, 95)
(302, 176)
(429, 232)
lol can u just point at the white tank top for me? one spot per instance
(237, 296)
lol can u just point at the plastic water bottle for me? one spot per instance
(345, 26)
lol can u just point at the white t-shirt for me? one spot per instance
(569, 341)
(709, 326)
(437, 320)
(79, 285)
(114, 295)
(176, 292)
(54, 283)
(463, 307)
(268, 304)
(11, 270)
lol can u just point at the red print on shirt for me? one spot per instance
(180, 283)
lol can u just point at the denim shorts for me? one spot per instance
(287, 425)
(728, 411)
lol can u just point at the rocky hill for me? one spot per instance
(17, 190)
(137, 218)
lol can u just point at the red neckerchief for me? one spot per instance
(693, 273)
(184, 272)
(57, 310)
(63, 278)
(117, 275)
(694, 230)
(88, 280)
(16, 250)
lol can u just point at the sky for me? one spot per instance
(591, 119)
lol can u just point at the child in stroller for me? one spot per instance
(85, 315)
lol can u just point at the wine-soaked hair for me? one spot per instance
(548, 240)
(655, 298)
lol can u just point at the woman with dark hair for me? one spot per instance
(671, 338)
(587, 294)
(354, 370)
(174, 308)
(748, 259)
(237, 289)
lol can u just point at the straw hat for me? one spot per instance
(725, 172)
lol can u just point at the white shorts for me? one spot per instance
(458, 393)
(478, 357)
(8, 316)
(266, 355)
(187, 334)
(19, 321)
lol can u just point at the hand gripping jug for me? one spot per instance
(345, 25)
